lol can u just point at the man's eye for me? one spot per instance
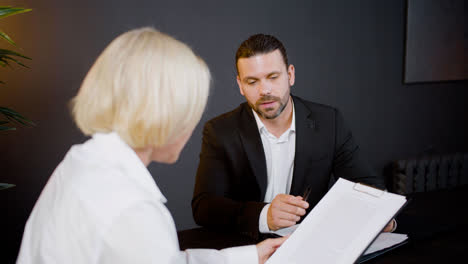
(273, 77)
(251, 82)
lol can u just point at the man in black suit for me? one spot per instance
(257, 160)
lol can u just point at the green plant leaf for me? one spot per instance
(6, 186)
(4, 58)
(7, 38)
(12, 115)
(5, 52)
(4, 63)
(6, 55)
(9, 11)
(18, 120)
(4, 128)
(14, 118)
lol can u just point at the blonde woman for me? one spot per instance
(140, 102)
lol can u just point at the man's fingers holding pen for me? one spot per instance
(285, 216)
(293, 200)
(285, 210)
(290, 209)
(277, 219)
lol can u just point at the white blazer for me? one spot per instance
(101, 205)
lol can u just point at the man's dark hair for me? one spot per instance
(260, 44)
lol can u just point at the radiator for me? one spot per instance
(429, 173)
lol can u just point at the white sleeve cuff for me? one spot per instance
(233, 255)
(244, 255)
(263, 221)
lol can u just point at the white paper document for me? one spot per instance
(341, 226)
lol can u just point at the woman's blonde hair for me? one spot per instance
(147, 86)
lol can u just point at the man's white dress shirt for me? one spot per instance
(101, 205)
(279, 155)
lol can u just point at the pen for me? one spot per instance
(306, 193)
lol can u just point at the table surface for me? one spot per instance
(436, 223)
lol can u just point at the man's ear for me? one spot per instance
(240, 85)
(291, 75)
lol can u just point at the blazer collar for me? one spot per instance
(306, 145)
(253, 147)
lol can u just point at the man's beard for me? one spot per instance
(268, 113)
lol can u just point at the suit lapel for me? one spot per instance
(253, 147)
(306, 146)
(305, 129)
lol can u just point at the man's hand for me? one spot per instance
(285, 210)
(267, 247)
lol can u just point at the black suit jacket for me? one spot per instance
(232, 176)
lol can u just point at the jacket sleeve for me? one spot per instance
(212, 203)
(348, 162)
(145, 233)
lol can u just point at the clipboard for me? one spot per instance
(365, 257)
(375, 254)
(341, 226)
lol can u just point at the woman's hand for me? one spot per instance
(267, 247)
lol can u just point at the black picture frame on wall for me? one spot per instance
(436, 41)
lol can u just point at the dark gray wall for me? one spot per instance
(347, 53)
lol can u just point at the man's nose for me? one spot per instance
(265, 88)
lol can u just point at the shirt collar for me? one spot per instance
(117, 152)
